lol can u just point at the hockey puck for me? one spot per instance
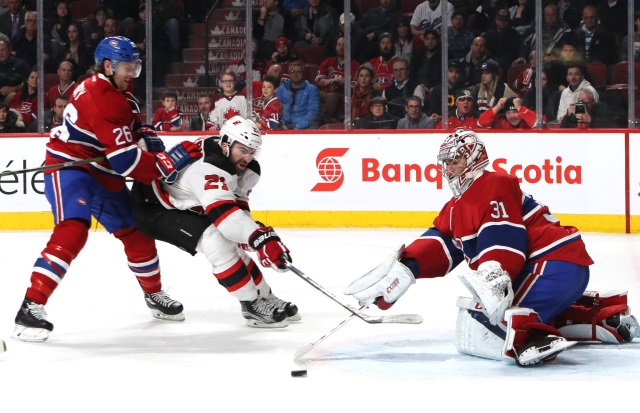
(298, 373)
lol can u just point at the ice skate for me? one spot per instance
(544, 349)
(626, 325)
(3, 346)
(163, 307)
(31, 322)
(261, 313)
(290, 309)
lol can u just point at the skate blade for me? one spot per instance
(30, 334)
(167, 317)
(3, 346)
(261, 324)
(529, 358)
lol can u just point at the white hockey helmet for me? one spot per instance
(462, 144)
(244, 131)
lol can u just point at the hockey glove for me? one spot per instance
(270, 249)
(171, 162)
(246, 247)
(383, 285)
(491, 287)
(148, 139)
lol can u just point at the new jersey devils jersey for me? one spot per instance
(98, 122)
(494, 220)
(227, 107)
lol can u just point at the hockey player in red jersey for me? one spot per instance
(99, 122)
(207, 210)
(528, 273)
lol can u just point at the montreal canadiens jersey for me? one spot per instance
(98, 121)
(494, 220)
(212, 186)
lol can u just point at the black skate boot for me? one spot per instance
(163, 307)
(31, 322)
(260, 313)
(626, 325)
(290, 309)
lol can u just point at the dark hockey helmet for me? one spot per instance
(462, 144)
(244, 131)
(118, 49)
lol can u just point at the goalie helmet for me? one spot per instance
(244, 131)
(118, 49)
(462, 144)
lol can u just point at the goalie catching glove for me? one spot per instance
(171, 162)
(271, 251)
(384, 284)
(491, 287)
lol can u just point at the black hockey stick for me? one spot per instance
(398, 319)
(55, 166)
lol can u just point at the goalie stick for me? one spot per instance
(398, 318)
(55, 166)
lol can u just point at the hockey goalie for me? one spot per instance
(528, 275)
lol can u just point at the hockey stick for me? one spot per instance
(55, 166)
(398, 318)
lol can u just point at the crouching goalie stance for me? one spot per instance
(529, 273)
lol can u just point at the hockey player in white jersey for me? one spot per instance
(206, 210)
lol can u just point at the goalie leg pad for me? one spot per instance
(475, 335)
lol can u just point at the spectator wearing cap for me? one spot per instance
(268, 26)
(383, 64)
(516, 116)
(464, 115)
(427, 67)
(377, 118)
(460, 37)
(315, 24)
(401, 88)
(428, 16)
(415, 118)
(491, 88)
(433, 105)
(476, 56)
(360, 50)
(503, 41)
(377, 20)
(283, 56)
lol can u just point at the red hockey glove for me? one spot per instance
(148, 139)
(171, 162)
(270, 250)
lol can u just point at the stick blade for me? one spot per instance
(301, 351)
(395, 319)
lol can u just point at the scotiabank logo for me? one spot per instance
(329, 169)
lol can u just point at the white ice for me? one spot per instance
(107, 354)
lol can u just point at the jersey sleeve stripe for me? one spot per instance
(125, 160)
(219, 211)
(555, 245)
(82, 137)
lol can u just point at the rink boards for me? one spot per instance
(372, 180)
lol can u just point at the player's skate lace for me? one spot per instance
(290, 309)
(33, 315)
(164, 307)
(262, 310)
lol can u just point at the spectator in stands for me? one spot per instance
(596, 43)
(613, 15)
(61, 22)
(464, 114)
(230, 104)
(481, 19)
(300, 100)
(491, 88)
(65, 86)
(516, 115)
(269, 25)
(201, 122)
(415, 118)
(427, 68)
(588, 112)
(25, 100)
(503, 41)
(167, 17)
(557, 69)
(330, 83)
(10, 120)
(52, 118)
(360, 48)
(168, 118)
(377, 20)
(315, 24)
(475, 58)
(267, 109)
(635, 40)
(283, 56)
(275, 70)
(382, 65)
(524, 81)
(577, 82)
(522, 15)
(364, 90)
(292, 9)
(138, 31)
(25, 43)
(124, 11)
(377, 118)
(460, 37)
(427, 16)
(454, 76)
(12, 19)
(239, 67)
(570, 12)
(406, 44)
(13, 71)
(401, 88)
(75, 50)
(93, 28)
(555, 33)
(111, 27)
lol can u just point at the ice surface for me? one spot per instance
(107, 354)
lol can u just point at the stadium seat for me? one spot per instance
(50, 80)
(332, 126)
(619, 73)
(81, 9)
(365, 5)
(310, 54)
(597, 75)
(311, 71)
(407, 7)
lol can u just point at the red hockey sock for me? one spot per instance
(142, 258)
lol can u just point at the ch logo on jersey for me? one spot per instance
(329, 169)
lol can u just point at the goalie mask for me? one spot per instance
(462, 144)
(244, 131)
